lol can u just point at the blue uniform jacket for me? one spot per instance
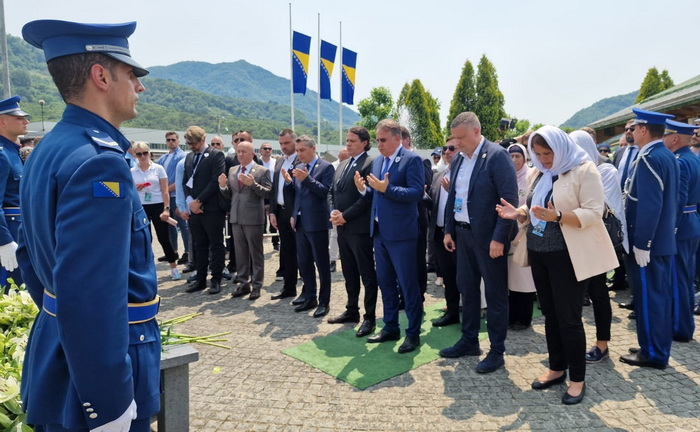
(688, 194)
(85, 239)
(312, 197)
(397, 207)
(10, 175)
(655, 188)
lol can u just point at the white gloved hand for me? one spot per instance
(122, 424)
(641, 256)
(8, 256)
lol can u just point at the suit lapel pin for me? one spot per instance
(206, 154)
(398, 159)
(483, 156)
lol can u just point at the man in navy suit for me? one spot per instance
(651, 206)
(396, 186)
(312, 180)
(481, 175)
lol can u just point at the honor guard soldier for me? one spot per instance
(13, 123)
(651, 207)
(93, 357)
(677, 139)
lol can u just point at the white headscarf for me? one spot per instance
(567, 155)
(584, 140)
(521, 174)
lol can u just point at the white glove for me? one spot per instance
(8, 256)
(641, 256)
(122, 424)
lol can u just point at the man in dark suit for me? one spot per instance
(396, 185)
(203, 166)
(351, 214)
(620, 279)
(312, 180)
(281, 209)
(446, 260)
(482, 174)
(247, 186)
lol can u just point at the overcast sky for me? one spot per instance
(552, 57)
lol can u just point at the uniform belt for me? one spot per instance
(11, 211)
(138, 312)
(690, 209)
(463, 225)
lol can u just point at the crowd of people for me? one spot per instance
(547, 216)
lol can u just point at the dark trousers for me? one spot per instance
(684, 289)
(561, 300)
(446, 261)
(602, 312)
(153, 212)
(619, 280)
(312, 248)
(357, 259)
(473, 264)
(520, 307)
(207, 231)
(288, 249)
(396, 260)
(653, 302)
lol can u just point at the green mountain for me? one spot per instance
(600, 109)
(170, 105)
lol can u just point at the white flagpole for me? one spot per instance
(291, 64)
(318, 99)
(340, 100)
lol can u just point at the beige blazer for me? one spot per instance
(581, 191)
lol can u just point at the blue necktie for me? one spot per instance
(632, 154)
(385, 168)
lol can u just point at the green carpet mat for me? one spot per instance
(360, 364)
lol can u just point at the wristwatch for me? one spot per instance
(166, 208)
(558, 217)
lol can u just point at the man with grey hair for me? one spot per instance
(312, 180)
(482, 174)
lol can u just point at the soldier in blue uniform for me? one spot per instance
(651, 206)
(93, 357)
(13, 123)
(677, 139)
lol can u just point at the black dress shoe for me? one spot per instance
(567, 399)
(321, 310)
(188, 269)
(241, 291)
(629, 306)
(283, 294)
(638, 359)
(215, 287)
(384, 336)
(542, 385)
(491, 363)
(410, 343)
(366, 328)
(299, 300)
(163, 259)
(184, 258)
(345, 317)
(307, 304)
(445, 320)
(460, 350)
(633, 350)
(197, 286)
(254, 294)
(681, 339)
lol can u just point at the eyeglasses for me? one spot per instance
(265, 148)
(449, 147)
(237, 140)
(170, 139)
(381, 140)
(630, 129)
(696, 134)
(139, 154)
(218, 144)
(603, 151)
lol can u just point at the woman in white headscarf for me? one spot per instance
(597, 288)
(521, 287)
(567, 243)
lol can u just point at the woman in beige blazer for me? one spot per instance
(566, 244)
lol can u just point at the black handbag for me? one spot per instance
(613, 226)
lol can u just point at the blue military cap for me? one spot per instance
(673, 127)
(62, 38)
(650, 117)
(10, 106)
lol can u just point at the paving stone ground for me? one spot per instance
(254, 387)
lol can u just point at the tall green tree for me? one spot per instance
(464, 98)
(375, 108)
(654, 83)
(490, 102)
(419, 111)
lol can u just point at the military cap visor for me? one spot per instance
(674, 127)
(10, 106)
(61, 38)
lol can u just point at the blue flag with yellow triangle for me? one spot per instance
(326, 68)
(349, 62)
(301, 47)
